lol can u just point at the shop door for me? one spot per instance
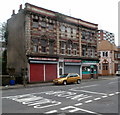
(50, 72)
(36, 72)
(72, 69)
(105, 70)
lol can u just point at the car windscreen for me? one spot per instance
(64, 75)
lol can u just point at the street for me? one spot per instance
(93, 96)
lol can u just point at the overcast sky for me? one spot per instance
(101, 12)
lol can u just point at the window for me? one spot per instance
(43, 48)
(51, 47)
(93, 52)
(62, 28)
(68, 32)
(43, 45)
(118, 67)
(43, 24)
(89, 52)
(35, 48)
(83, 34)
(69, 47)
(50, 27)
(105, 66)
(35, 23)
(63, 46)
(74, 49)
(74, 31)
(35, 44)
(105, 54)
(83, 51)
(118, 55)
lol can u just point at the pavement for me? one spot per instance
(48, 83)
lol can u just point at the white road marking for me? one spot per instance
(97, 98)
(104, 96)
(117, 92)
(89, 86)
(111, 94)
(113, 82)
(78, 104)
(73, 109)
(88, 101)
(52, 111)
(92, 92)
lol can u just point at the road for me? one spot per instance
(96, 97)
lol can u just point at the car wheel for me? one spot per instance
(64, 82)
(78, 81)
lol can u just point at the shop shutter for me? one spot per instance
(36, 72)
(72, 69)
(50, 72)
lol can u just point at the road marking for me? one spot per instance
(113, 82)
(92, 92)
(78, 104)
(72, 108)
(117, 92)
(97, 98)
(88, 101)
(89, 86)
(52, 111)
(111, 94)
(104, 96)
(87, 111)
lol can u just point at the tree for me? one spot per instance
(3, 40)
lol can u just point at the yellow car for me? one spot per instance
(68, 78)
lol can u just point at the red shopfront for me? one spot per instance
(42, 69)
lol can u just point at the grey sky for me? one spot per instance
(101, 12)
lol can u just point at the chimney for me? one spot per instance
(20, 7)
(13, 12)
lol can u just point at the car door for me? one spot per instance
(70, 78)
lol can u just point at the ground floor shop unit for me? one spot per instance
(47, 69)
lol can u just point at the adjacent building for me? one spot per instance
(47, 44)
(105, 35)
(108, 55)
(117, 59)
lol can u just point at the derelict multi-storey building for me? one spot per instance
(48, 43)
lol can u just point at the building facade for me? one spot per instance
(117, 59)
(47, 44)
(108, 54)
(105, 35)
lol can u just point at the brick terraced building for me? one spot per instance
(47, 43)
